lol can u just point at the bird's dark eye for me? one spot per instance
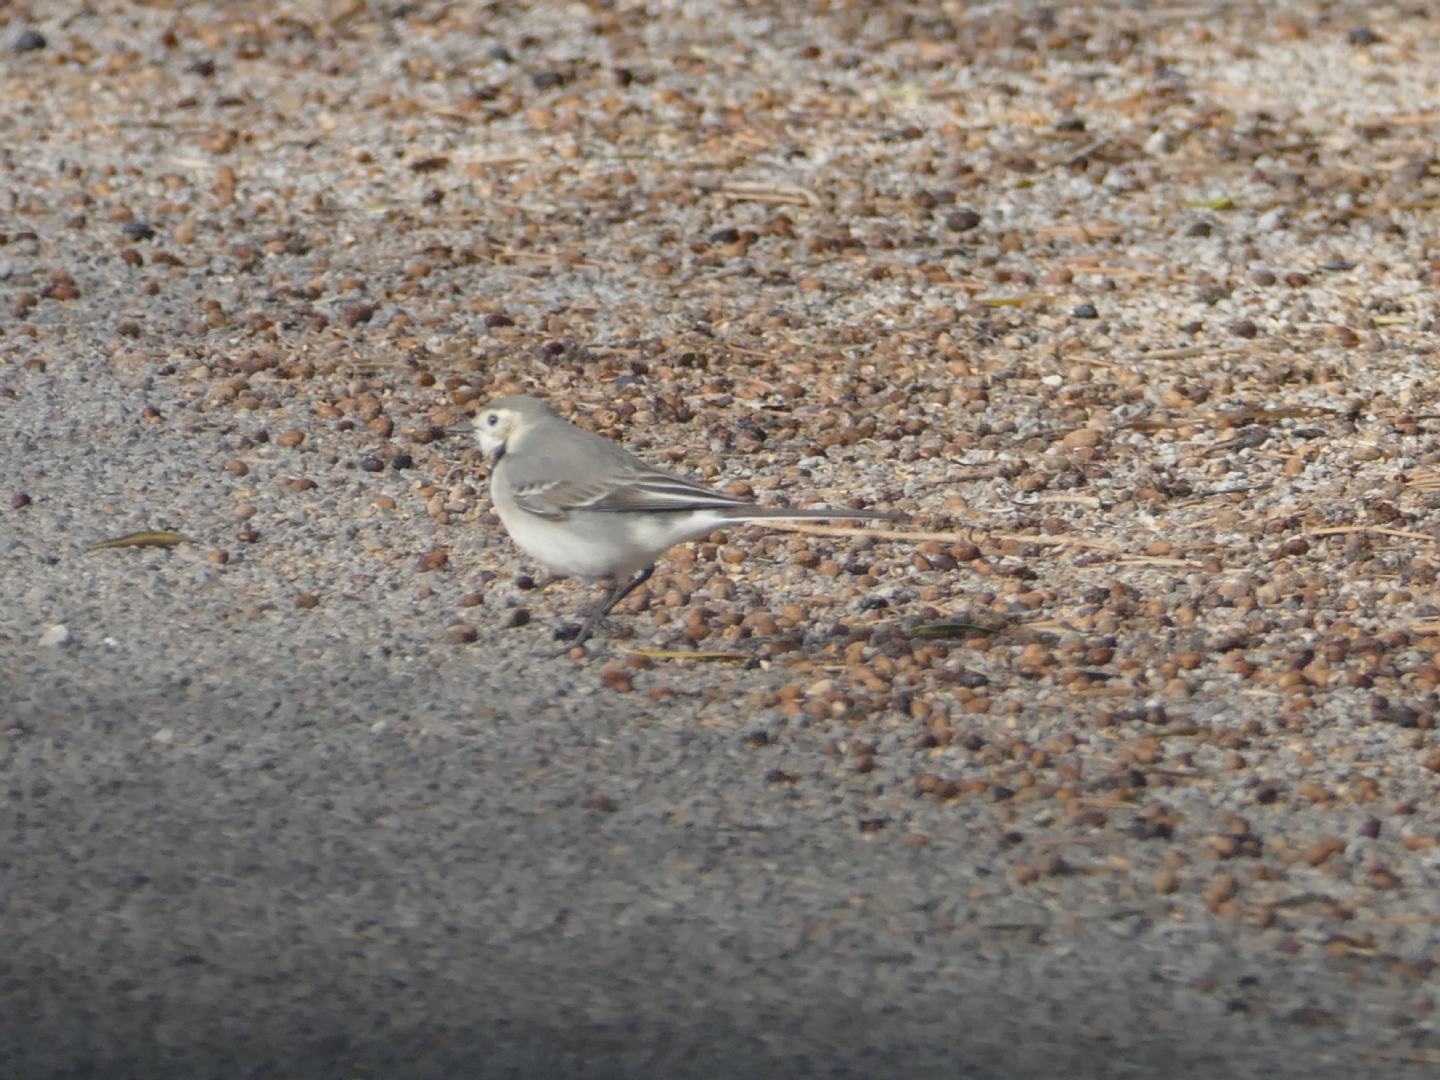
(492, 419)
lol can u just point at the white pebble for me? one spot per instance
(165, 736)
(56, 635)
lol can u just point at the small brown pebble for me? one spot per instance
(1322, 850)
(601, 803)
(236, 467)
(1296, 280)
(461, 634)
(356, 314)
(290, 439)
(617, 678)
(383, 502)
(469, 600)
(1244, 328)
(434, 559)
(1221, 892)
(248, 535)
(19, 500)
(1082, 437)
(61, 290)
(128, 328)
(219, 556)
(1382, 877)
(1165, 882)
(518, 617)
(308, 600)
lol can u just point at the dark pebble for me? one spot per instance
(962, 220)
(1244, 328)
(19, 500)
(138, 230)
(28, 41)
(497, 318)
(1362, 36)
(545, 80)
(518, 617)
(525, 582)
(402, 460)
(502, 54)
(372, 464)
(874, 603)
(1084, 311)
(1338, 264)
(1262, 277)
(725, 236)
(1200, 228)
(461, 634)
(359, 313)
(203, 67)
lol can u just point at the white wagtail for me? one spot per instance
(581, 505)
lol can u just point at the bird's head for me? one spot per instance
(497, 424)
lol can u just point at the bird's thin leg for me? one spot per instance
(613, 597)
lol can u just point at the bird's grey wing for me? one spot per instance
(651, 490)
(585, 472)
(553, 499)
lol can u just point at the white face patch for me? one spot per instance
(492, 428)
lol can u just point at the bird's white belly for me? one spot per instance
(597, 545)
(559, 546)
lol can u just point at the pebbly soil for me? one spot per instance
(1120, 762)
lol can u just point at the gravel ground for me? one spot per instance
(1118, 764)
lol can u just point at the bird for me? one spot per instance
(583, 506)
